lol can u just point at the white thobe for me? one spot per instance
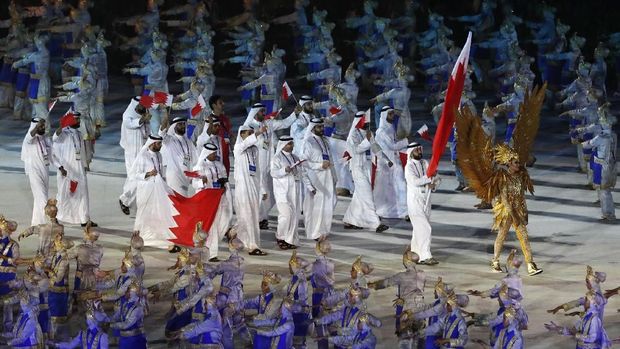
(415, 173)
(36, 153)
(214, 170)
(390, 187)
(247, 198)
(154, 217)
(266, 149)
(68, 152)
(133, 136)
(179, 155)
(318, 207)
(298, 130)
(287, 193)
(361, 211)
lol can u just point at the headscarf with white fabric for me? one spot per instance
(253, 111)
(129, 112)
(207, 149)
(29, 153)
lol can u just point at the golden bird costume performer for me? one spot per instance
(498, 174)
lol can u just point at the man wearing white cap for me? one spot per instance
(36, 153)
(134, 132)
(287, 174)
(361, 212)
(213, 175)
(320, 197)
(418, 202)
(265, 144)
(69, 156)
(179, 154)
(390, 187)
(247, 188)
(155, 210)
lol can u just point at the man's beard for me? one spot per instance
(75, 126)
(41, 132)
(317, 133)
(417, 157)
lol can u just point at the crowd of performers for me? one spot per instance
(300, 162)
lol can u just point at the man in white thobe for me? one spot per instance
(134, 132)
(320, 195)
(36, 155)
(419, 187)
(68, 155)
(155, 210)
(304, 112)
(256, 119)
(287, 172)
(213, 175)
(390, 190)
(179, 154)
(361, 212)
(247, 188)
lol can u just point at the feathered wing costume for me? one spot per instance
(498, 174)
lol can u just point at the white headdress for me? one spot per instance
(282, 142)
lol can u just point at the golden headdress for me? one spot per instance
(271, 278)
(504, 154)
(410, 258)
(7, 225)
(355, 291)
(595, 277)
(439, 286)
(293, 262)
(127, 260)
(361, 267)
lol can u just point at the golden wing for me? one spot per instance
(528, 122)
(474, 153)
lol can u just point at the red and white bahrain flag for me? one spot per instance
(452, 101)
(286, 91)
(423, 132)
(202, 207)
(200, 106)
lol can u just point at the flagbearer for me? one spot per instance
(419, 187)
(360, 143)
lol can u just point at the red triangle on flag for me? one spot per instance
(333, 110)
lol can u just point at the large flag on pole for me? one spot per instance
(452, 101)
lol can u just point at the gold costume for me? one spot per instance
(487, 169)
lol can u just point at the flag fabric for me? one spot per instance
(286, 91)
(68, 119)
(200, 106)
(403, 158)
(423, 132)
(346, 156)
(146, 101)
(202, 207)
(192, 174)
(452, 101)
(51, 105)
(163, 98)
(363, 120)
(273, 114)
(333, 110)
